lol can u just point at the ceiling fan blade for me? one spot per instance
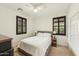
(29, 5)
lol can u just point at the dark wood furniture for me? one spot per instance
(54, 41)
(23, 52)
(5, 46)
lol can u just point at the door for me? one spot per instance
(74, 33)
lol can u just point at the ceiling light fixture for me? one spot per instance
(35, 10)
(39, 8)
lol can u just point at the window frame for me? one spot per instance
(59, 25)
(21, 18)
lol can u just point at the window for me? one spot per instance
(59, 25)
(21, 25)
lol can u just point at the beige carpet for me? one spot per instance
(55, 51)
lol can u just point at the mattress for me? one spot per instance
(36, 46)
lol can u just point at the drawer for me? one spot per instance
(5, 46)
(54, 45)
(54, 42)
(7, 53)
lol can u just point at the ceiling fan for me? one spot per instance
(36, 6)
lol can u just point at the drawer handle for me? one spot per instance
(4, 53)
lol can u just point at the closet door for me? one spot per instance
(74, 32)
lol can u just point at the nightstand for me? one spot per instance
(54, 41)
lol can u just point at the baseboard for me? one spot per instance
(73, 52)
(69, 46)
(62, 45)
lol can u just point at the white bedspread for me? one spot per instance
(36, 45)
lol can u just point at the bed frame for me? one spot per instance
(27, 54)
(45, 32)
(23, 52)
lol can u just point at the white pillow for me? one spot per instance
(44, 34)
(40, 34)
(47, 34)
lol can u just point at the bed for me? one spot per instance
(38, 45)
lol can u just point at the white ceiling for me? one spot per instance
(46, 8)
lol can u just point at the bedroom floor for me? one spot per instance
(60, 51)
(55, 51)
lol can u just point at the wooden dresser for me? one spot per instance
(5, 46)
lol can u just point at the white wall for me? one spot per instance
(44, 23)
(8, 24)
(73, 42)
